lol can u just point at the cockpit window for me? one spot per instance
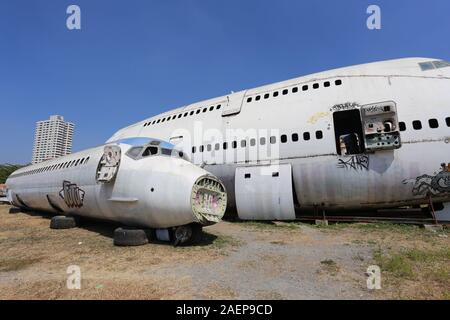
(150, 151)
(166, 152)
(431, 65)
(134, 152)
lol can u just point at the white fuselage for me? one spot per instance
(311, 169)
(154, 191)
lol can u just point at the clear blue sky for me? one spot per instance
(134, 59)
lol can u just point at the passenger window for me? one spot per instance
(283, 138)
(285, 92)
(205, 109)
(218, 107)
(243, 143)
(319, 135)
(417, 125)
(447, 120)
(193, 149)
(202, 148)
(266, 96)
(258, 98)
(150, 151)
(295, 137)
(211, 108)
(179, 116)
(234, 144)
(198, 111)
(262, 141)
(191, 113)
(433, 123)
(315, 86)
(275, 94)
(249, 99)
(252, 142)
(305, 88)
(402, 126)
(338, 82)
(294, 89)
(306, 136)
(217, 146)
(225, 145)
(326, 84)
(273, 139)
(209, 147)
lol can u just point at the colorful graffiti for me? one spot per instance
(359, 162)
(431, 185)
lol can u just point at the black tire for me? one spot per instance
(63, 222)
(130, 237)
(190, 234)
(14, 210)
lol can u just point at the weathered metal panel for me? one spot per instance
(264, 192)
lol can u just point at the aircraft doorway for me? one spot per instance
(348, 132)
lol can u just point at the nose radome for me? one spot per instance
(208, 200)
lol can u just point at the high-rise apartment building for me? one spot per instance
(52, 139)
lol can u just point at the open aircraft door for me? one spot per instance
(265, 192)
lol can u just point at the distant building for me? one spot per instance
(2, 190)
(52, 139)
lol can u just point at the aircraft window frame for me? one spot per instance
(305, 87)
(294, 89)
(252, 142)
(447, 120)
(144, 155)
(306, 136)
(283, 138)
(262, 141)
(417, 125)
(327, 84)
(134, 154)
(338, 82)
(285, 92)
(316, 86)
(433, 123)
(273, 140)
(402, 126)
(294, 137)
(319, 134)
(257, 98)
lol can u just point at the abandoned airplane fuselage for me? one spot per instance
(369, 136)
(137, 182)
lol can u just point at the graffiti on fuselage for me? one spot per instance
(431, 185)
(72, 195)
(344, 106)
(359, 162)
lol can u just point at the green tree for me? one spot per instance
(7, 169)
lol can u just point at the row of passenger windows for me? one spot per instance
(187, 113)
(62, 165)
(417, 124)
(262, 141)
(326, 84)
(284, 92)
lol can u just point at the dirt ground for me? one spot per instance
(235, 260)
